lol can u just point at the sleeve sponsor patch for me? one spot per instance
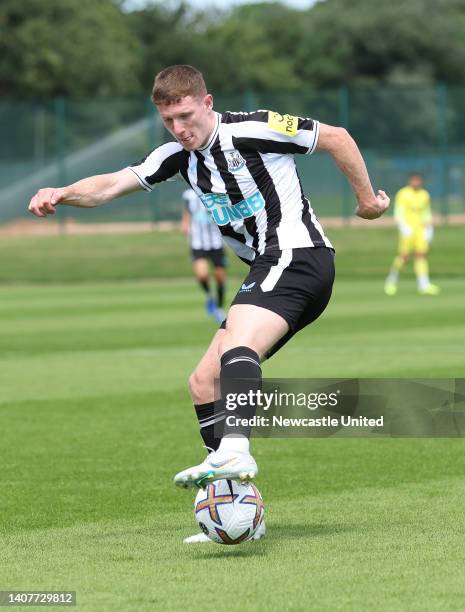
(286, 124)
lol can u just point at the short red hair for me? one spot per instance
(176, 82)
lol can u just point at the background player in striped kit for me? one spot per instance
(242, 167)
(206, 245)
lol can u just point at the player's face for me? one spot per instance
(190, 120)
(416, 182)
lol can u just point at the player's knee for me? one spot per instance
(232, 340)
(420, 255)
(201, 385)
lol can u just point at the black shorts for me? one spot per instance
(294, 283)
(216, 256)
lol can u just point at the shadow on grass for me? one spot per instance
(246, 551)
(306, 531)
(275, 535)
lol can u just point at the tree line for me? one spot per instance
(84, 48)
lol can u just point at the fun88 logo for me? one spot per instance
(223, 212)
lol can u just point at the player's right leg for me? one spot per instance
(392, 280)
(205, 394)
(200, 268)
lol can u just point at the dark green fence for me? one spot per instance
(399, 129)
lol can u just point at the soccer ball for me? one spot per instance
(229, 512)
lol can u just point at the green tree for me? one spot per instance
(167, 35)
(236, 49)
(356, 41)
(253, 46)
(89, 48)
(69, 47)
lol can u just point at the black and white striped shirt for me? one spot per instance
(203, 231)
(247, 179)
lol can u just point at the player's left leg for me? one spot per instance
(424, 285)
(310, 314)
(314, 309)
(218, 259)
(280, 288)
(205, 394)
(250, 332)
(220, 279)
(288, 290)
(204, 391)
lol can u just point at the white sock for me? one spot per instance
(423, 281)
(393, 277)
(234, 443)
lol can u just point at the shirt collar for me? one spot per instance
(213, 134)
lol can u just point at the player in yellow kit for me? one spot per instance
(412, 212)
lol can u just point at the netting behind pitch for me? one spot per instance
(399, 129)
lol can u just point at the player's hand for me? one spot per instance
(45, 201)
(376, 208)
(383, 201)
(429, 231)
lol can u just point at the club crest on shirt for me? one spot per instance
(235, 161)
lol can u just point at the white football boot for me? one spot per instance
(219, 465)
(201, 538)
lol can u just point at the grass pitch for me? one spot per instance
(95, 420)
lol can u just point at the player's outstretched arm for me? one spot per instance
(342, 147)
(87, 193)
